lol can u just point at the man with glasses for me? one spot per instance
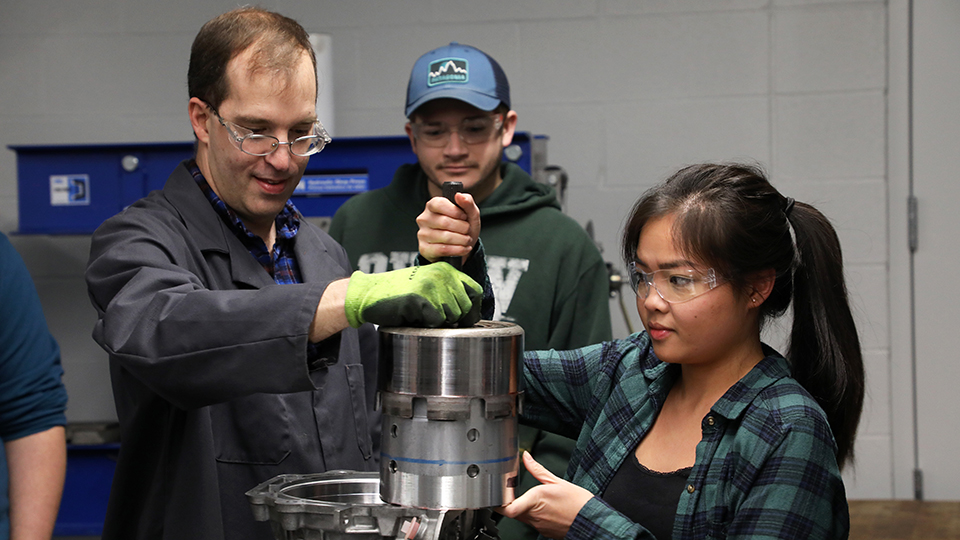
(237, 335)
(547, 274)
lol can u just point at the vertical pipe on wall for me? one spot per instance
(912, 222)
(322, 48)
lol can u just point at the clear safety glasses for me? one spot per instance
(479, 129)
(674, 285)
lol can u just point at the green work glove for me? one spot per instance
(431, 296)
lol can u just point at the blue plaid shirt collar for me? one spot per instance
(280, 264)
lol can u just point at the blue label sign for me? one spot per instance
(69, 189)
(332, 184)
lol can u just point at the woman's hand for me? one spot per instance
(446, 230)
(550, 507)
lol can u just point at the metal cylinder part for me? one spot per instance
(346, 505)
(450, 402)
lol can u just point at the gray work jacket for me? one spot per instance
(208, 360)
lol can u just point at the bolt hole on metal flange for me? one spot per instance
(393, 466)
(473, 471)
(394, 431)
(473, 434)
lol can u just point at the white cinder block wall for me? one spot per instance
(627, 91)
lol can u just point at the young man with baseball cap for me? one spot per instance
(547, 274)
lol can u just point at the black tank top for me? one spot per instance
(647, 497)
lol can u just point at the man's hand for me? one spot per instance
(550, 507)
(446, 230)
(431, 296)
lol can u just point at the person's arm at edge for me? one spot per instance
(37, 467)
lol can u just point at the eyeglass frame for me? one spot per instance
(498, 125)
(637, 276)
(319, 132)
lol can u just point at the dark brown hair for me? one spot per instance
(729, 217)
(279, 41)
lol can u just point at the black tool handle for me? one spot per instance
(449, 190)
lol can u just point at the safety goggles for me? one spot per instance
(475, 130)
(674, 285)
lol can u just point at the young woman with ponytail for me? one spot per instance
(693, 428)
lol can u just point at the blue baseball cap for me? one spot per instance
(459, 72)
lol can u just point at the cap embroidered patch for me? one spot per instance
(448, 70)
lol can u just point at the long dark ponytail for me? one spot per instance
(823, 341)
(730, 217)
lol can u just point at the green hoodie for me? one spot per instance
(547, 274)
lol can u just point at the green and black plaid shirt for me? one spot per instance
(765, 468)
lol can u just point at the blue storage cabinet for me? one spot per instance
(72, 189)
